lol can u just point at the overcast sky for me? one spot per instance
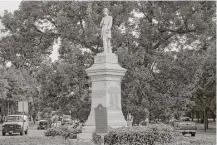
(8, 5)
(12, 5)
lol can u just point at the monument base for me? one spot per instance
(106, 75)
(115, 120)
(87, 132)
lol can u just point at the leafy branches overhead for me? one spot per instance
(64, 84)
(35, 25)
(161, 44)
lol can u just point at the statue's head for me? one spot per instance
(105, 11)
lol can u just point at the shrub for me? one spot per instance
(63, 131)
(96, 138)
(139, 135)
(53, 132)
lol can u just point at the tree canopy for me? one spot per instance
(167, 48)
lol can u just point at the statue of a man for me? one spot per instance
(106, 24)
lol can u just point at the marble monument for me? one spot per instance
(105, 75)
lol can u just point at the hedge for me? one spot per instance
(64, 131)
(139, 135)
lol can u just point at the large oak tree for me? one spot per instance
(144, 37)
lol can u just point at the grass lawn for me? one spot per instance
(197, 140)
(182, 140)
(26, 140)
(211, 125)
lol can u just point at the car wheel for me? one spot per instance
(21, 133)
(193, 133)
(3, 133)
(26, 132)
(183, 133)
(10, 133)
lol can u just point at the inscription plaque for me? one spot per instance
(101, 119)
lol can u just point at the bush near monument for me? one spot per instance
(64, 131)
(147, 135)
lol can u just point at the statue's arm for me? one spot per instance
(101, 22)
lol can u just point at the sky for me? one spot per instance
(12, 5)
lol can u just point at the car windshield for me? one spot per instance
(66, 120)
(14, 119)
(185, 119)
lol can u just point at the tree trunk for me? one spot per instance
(207, 121)
(198, 117)
(204, 119)
(33, 118)
(192, 115)
(213, 114)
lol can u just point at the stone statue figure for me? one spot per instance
(106, 24)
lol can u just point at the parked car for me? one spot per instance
(66, 121)
(43, 124)
(186, 126)
(15, 124)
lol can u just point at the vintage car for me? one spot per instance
(186, 126)
(66, 122)
(15, 124)
(43, 124)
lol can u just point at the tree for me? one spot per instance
(64, 83)
(205, 88)
(159, 77)
(4, 88)
(143, 32)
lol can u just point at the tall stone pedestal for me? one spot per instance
(105, 76)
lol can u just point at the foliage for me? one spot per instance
(159, 80)
(3, 83)
(158, 77)
(53, 132)
(96, 138)
(64, 131)
(149, 135)
(205, 82)
(17, 85)
(26, 140)
(65, 83)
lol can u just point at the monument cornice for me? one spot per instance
(105, 71)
